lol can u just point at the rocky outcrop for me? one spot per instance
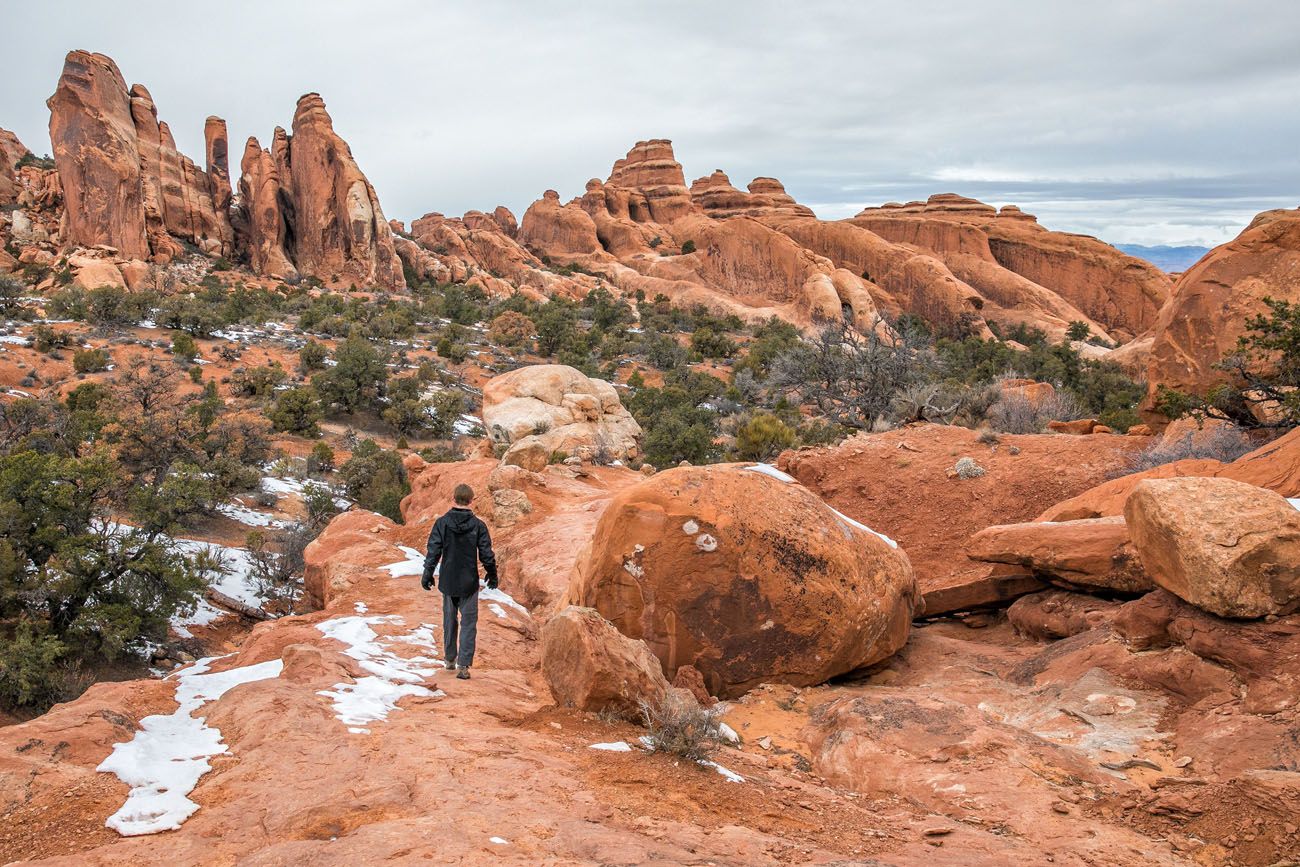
(1275, 466)
(217, 148)
(550, 227)
(747, 576)
(1038, 277)
(264, 234)
(551, 408)
(590, 665)
(307, 210)
(1225, 546)
(897, 483)
(11, 151)
(179, 200)
(1092, 553)
(1055, 614)
(96, 150)
(338, 232)
(1213, 301)
(125, 184)
(651, 173)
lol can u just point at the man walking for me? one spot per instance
(460, 540)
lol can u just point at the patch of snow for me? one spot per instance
(500, 841)
(728, 733)
(503, 597)
(163, 762)
(14, 339)
(249, 517)
(413, 564)
(769, 470)
(615, 747)
(392, 677)
(731, 776)
(861, 526)
(690, 528)
(1294, 501)
(706, 543)
(498, 611)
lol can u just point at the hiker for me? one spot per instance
(459, 539)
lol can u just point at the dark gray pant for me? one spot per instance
(467, 609)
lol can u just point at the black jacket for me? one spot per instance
(459, 538)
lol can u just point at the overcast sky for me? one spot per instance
(1145, 121)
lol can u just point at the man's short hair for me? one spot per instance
(464, 495)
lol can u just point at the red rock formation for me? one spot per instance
(747, 577)
(307, 209)
(1212, 302)
(339, 232)
(932, 516)
(1086, 553)
(1227, 547)
(125, 184)
(263, 227)
(550, 227)
(11, 151)
(217, 147)
(1036, 276)
(655, 177)
(95, 147)
(590, 665)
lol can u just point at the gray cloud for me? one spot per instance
(1161, 121)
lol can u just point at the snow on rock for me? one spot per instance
(615, 747)
(413, 564)
(392, 677)
(164, 761)
(732, 776)
(769, 470)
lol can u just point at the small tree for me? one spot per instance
(1263, 387)
(296, 411)
(1078, 330)
(184, 346)
(762, 437)
(850, 377)
(358, 378)
(512, 329)
(90, 360)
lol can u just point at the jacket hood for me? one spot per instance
(459, 521)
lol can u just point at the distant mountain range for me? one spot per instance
(1164, 257)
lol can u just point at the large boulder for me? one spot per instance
(1092, 553)
(558, 408)
(746, 575)
(590, 665)
(1225, 546)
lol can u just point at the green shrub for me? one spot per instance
(357, 380)
(256, 381)
(296, 411)
(321, 459)
(688, 247)
(762, 437)
(184, 346)
(376, 479)
(90, 360)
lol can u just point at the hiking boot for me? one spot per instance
(451, 664)
(462, 673)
